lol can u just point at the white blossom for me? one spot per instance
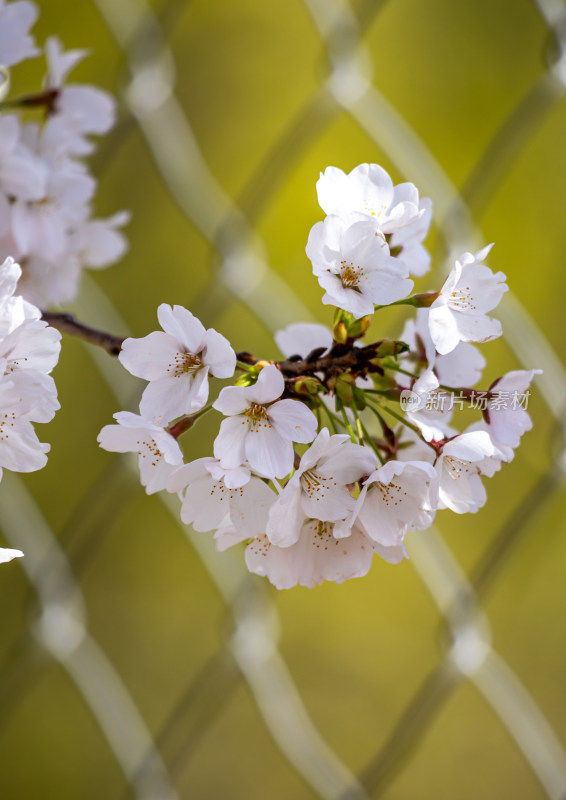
(459, 313)
(15, 42)
(506, 416)
(462, 366)
(259, 427)
(316, 556)
(352, 263)
(85, 109)
(397, 497)
(459, 466)
(20, 449)
(210, 493)
(176, 362)
(158, 452)
(369, 190)
(7, 554)
(319, 487)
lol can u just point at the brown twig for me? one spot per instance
(66, 323)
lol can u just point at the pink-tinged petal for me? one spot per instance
(218, 355)
(229, 445)
(6, 554)
(269, 453)
(152, 357)
(231, 400)
(293, 420)
(183, 326)
(269, 386)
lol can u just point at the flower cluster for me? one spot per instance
(46, 189)
(29, 350)
(318, 462)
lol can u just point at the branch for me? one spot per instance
(66, 323)
(341, 357)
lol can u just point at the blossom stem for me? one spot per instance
(348, 426)
(369, 440)
(184, 423)
(416, 300)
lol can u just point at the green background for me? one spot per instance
(246, 73)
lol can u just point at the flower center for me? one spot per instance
(316, 485)
(148, 448)
(350, 275)
(456, 467)
(185, 364)
(6, 422)
(257, 417)
(391, 493)
(461, 299)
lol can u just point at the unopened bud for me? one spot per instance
(340, 333)
(308, 385)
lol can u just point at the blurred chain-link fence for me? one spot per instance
(153, 755)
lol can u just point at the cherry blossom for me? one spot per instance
(20, 449)
(259, 427)
(319, 487)
(210, 493)
(506, 416)
(458, 468)
(15, 42)
(353, 265)
(369, 190)
(395, 498)
(176, 362)
(85, 109)
(158, 452)
(462, 366)
(7, 554)
(459, 314)
(317, 555)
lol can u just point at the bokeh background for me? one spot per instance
(135, 661)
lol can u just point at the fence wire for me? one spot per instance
(250, 651)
